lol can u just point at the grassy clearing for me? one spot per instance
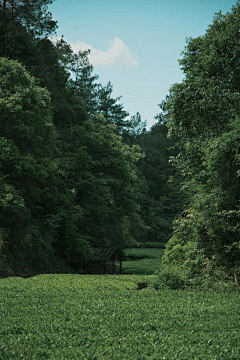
(143, 261)
(151, 244)
(96, 317)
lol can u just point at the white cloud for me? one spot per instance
(117, 54)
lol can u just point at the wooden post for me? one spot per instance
(120, 266)
(113, 267)
(104, 267)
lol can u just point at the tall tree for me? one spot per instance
(28, 146)
(20, 22)
(110, 108)
(164, 200)
(100, 171)
(84, 83)
(204, 112)
(68, 181)
(135, 127)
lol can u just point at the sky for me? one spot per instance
(135, 44)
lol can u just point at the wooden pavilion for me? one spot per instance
(105, 260)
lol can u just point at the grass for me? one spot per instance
(152, 244)
(75, 317)
(143, 261)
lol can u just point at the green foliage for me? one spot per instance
(204, 112)
(25, 111)
(20, 22)
(99, 317)
(110, 108)
(100, 171)
(140, 253)
(65, 188)
(151, 244)
(68, 181)
(83, 82)
(163, 200)
(173, 278)
(135, 127)
(28, 146)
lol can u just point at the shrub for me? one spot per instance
(172, 277)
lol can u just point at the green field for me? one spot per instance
(143, 261)
(106, 317)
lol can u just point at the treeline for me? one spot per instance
(204, 112)
(76, 172)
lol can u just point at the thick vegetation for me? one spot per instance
(77, 172)
(101, 317)
(73, 176)
(204, 111)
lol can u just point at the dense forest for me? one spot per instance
(77, 172)
(204, 112)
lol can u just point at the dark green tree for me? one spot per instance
(22, 21)
(164, 200)
(83, 82)
(100, 171)
(110, 108)
(204, 112)
(135, 127)
(28, 146)
(68, 181)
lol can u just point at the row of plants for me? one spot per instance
(105, 317)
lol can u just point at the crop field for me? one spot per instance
(106, 317)
(142, 261)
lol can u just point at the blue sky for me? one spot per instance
(136, 44)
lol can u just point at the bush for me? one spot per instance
(173, 278)
(176, 277)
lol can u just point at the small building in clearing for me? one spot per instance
(105, 260)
